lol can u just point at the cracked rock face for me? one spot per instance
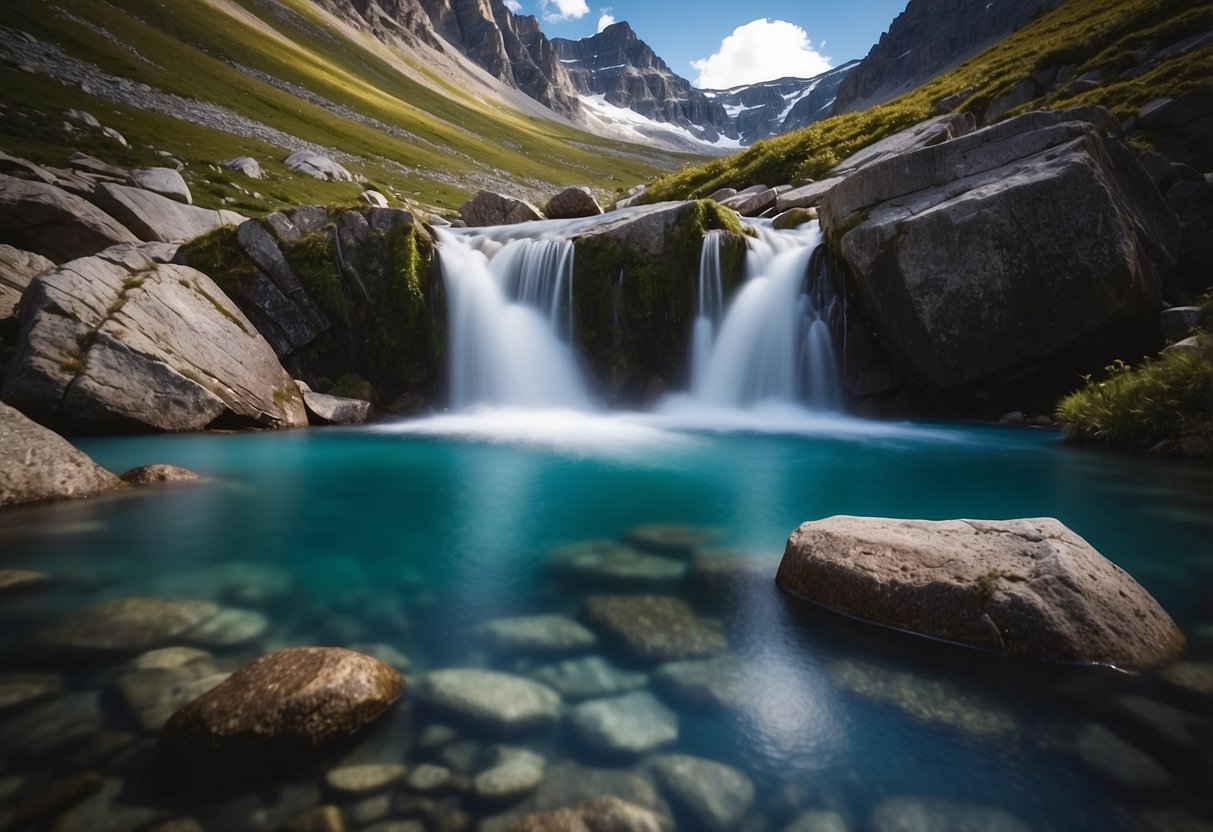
(121, 341)
(1022, 587)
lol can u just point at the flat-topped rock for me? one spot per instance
(51, 222)
(281, 708)
(600, 561)
(364, 779)
(1021, 587)
(516, 772)
(671, 538)
(153, 217)
(124, 625)
(654, 628)
(718, 796)
(498, 701)
(537, 634)
(633, 724)
(588, 678)
(720, 682)
(37, 464)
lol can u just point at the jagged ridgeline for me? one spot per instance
(1121, 55)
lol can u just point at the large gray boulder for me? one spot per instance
(36, 464)
(120, 341)
(324, 409)
(317, 166)
(1022, 587)
(247, 165)
(41, 218)
(489, 208)
(164, 181)
(982, 254)
(17, 269)
(157, 218)
(572, 203)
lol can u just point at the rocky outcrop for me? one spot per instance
(635, 275)
(488, 208)
(974, 258)
(17, 269)
(123, 342)
(618, 65)
(1021, 587)
(156, 218)
(281, 709)
(36, 464)
(347, 299)
(930, 36)
(46, 220)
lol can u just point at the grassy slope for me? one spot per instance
(189, 45)
(1095, 34)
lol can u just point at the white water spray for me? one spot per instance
(510, 311)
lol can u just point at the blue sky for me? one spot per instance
(682, 32)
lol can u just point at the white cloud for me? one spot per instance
(761, 50)
(513, 5)
(564, 9)
(605, 19)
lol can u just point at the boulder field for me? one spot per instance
(1029, 587)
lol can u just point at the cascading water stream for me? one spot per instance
(774, 343)
(509, 306)
(711, 307)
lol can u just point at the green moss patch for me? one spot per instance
(315, 262)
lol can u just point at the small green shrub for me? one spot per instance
(1164, 398)
(314, 261)
(218, 255)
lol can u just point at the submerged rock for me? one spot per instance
(20, 690)
(124, 625)
(716, 795)
(281, 708)
(20, 581)
(671, 538)
(537, 634)
(605, 560)
(634, 724)
(602, 814)
(157, 474)
(515, 773)
(36, 464)
(151, 690)
(654, 628)
(567, 785)
(1118, 761)
(103, 336)
(588, 678)
(914, 814)
(498, 701)
(721, 682)
(364, 779)
(1022, 587)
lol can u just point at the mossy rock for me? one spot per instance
(634, 293)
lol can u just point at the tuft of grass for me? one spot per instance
(1089, 34)
(987, 584)
(1169, 397)
(218, 255)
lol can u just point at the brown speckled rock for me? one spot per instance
(1021, 587)
(281, 706)
(154, 474)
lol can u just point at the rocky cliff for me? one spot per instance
(622, 68)
(927, 38)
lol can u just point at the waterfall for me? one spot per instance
(510, 310)
(774, 342)
(710, 308)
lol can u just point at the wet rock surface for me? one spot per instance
(537, 634)
(125, 625)
(1022, 587)
(634, 724)
(591, 677)
(715, 795)
(287, 703)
